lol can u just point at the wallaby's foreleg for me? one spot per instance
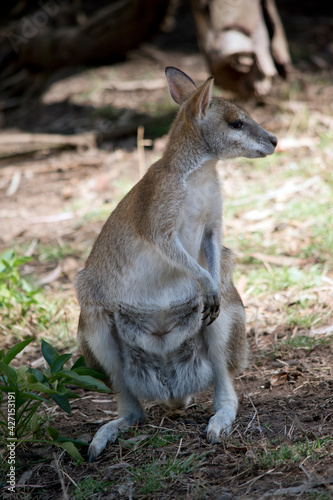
(212, 252)
(174, 251)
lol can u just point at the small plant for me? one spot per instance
(27, 388)
(21, 304)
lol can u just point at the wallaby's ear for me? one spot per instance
(202, 99)
(181, 86)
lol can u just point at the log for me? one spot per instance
(235, 38)
(17, 144)
(107, 34)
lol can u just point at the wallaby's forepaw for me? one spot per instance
(219, 425)
(211, 308)
(108, 433)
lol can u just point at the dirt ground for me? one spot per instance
(56, 196)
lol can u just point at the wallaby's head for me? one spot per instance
(227, 130)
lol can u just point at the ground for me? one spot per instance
(278, 221)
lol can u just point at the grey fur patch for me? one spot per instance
(179, 374)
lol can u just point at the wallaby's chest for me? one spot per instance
(201, 209)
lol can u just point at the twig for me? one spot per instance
(44, 219)
(141, 143)
(256, 412)
(250, 423)
(251, 481)
(180, 445)
(296, 490)
(14, 184)
(305, 471)
(69, 477)
(61, 479)
(256, 328)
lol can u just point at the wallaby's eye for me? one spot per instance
(236, 124)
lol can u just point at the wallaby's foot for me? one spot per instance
(219, 425)
(108, 433)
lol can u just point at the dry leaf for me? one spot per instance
(279, 378)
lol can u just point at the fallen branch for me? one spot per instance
(13, 145)
(137, 85)
(296, 490)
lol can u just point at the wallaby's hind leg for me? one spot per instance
(97, 340)
(225, 405)
(228, 353)
(131, 412)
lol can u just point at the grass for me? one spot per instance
(157, 440)
(154, 475)
(284, 454)
(262, 280)
(91, 488)
(304, 342)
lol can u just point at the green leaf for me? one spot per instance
(65, 439)
(49, 352)
(38, 387)
(62, 401)
(78, 363)
(20, 260)
(30, 395)
(53, 433)
(72, 451)
(72, 395)
(85, 381)
(37, 374)
(60, 388)
(34, 423)
(9, 371)
(13, 352)
(59, 361)
(84, 370)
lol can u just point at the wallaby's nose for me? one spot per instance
(273, 140)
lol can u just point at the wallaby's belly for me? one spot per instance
(161, 340)
(181, 373)
(154, 281)
(158, 329)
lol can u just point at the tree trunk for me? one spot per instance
(235, 39)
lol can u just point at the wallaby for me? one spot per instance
(159, 312)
